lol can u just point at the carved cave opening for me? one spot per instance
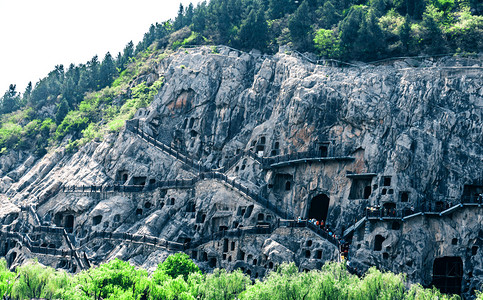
(69, 223)
(360, 188)
(141, 180)
(448, 274)
(319, 207)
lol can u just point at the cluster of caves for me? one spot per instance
(366, 189)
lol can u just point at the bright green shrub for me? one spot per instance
(175, 265)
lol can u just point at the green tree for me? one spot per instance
(327, 43)
(175, 265)
(107, 71)
(405, 34)
(254, 31)
(10, 100)
(62, 110)
(433, 35)
(36, 281)
(300, 26)
(26, 94)
(114, 278)
(220, 285)
(279, 8)
(179, 21)
(327, 15)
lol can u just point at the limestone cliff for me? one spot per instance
(388, 155)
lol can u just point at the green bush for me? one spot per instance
(6, 279)
(175, 265)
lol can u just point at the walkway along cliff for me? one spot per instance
(236, 147)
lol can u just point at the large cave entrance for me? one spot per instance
(448, 274)
(319, 207)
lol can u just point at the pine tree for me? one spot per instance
(327, 15)
(107, 71)
(26, 94)
(179, 21)
(279, 8)
(62, 110)
(93, 67)
(300, 27)
(10, 100)
(405, 34)
(254, 31)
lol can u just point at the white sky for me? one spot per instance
(36, 35)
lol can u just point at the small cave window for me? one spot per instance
(97, 220)
(147, 205)
(237, 168)
(255, 262)
(474, 250)
(367, 192)
(379, 239)
(124, 178)
(192, 122)
(277, 145)
(261, 217)
(288, 185)
(139, 212)
(58, 219)
(191, 207)
(141, 180)
(205, 256)
(404, 197)
(307, 253)
(232, 246)
(263, 140)
(225, 245)
(454, 241)
(185, 123)
(268, 218)
(171, 201)
(396, 225)
(117, 218)
(385, 255)
(273, 153)
(152, 181)
(200, 218)
(212, 262)
(309, 243)
(384, 191)
(386, 181)
(248, 212)
(390, 191)
(193, 133)
(240, 255)
(254, 143)
(323, 151)
(318, 254)
(270, 265)
(229, 258)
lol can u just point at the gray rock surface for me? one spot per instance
(411, 128)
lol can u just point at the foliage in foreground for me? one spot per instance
(179, 278)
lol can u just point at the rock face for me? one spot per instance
(389, 153)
